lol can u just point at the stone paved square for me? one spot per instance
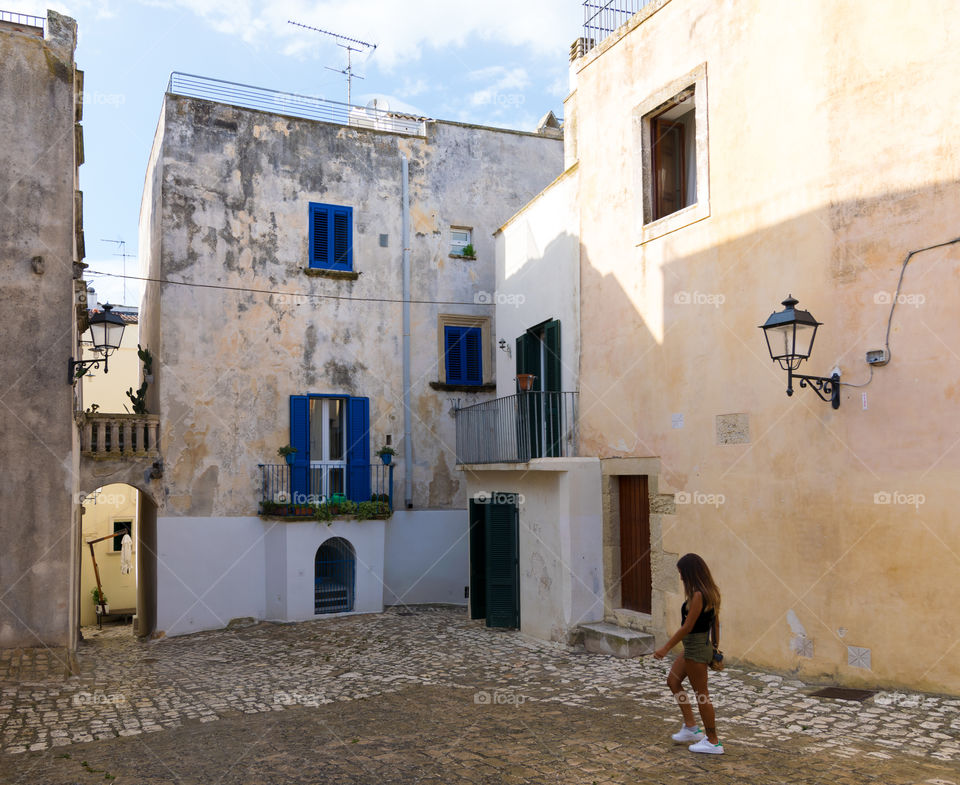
(427, 695)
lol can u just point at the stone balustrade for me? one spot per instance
(119, 435)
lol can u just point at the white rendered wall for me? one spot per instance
(427, 557)
(209, 571)
(302, 539)
(538, 278)
(561, 544)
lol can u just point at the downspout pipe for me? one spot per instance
(407, 440)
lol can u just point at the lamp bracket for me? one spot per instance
(827, 388)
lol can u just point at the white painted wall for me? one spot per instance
(234, 567)
(302, 540)
(209, 571)
(427, 557)
(538, 277)
(561, 547)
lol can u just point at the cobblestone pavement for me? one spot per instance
(432, 697)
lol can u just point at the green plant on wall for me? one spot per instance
(468, 250)
(139, 398)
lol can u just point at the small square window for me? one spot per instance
(119, 529)
(331, 237)
(461, 241)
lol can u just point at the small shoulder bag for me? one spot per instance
(716, 662)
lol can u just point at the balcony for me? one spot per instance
(518, 428)
(326, 490)
(114, 436)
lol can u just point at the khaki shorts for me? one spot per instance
(697, 647)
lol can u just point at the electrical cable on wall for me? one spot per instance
(251, 290)
(893, 305)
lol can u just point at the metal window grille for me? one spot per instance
(334, 577)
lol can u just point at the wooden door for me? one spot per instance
(635, 575)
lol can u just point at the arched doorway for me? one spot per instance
(335, 575)
(109, 512)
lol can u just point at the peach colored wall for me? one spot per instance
(833, 151)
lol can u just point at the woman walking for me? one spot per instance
(699, 615)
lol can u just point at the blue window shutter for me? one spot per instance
(453, 354)
(331, 236)
(300, 439)
(462, 355)
(358, 449)
(473, 362)
(341, 239)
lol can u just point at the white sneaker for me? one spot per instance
(688, 734)
(705, 745)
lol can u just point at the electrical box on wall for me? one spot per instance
(877, 357)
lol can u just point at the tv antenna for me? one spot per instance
(122, 244)
(348, 71)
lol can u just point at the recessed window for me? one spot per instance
(461, 241)
(673, 137)
(671, 160)
(462, 355)
(465, 353)
(331, 237)
(119, 529)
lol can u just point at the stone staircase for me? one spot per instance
(602, 637)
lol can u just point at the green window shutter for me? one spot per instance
(502, 566)
(553, 425)
(552, 366)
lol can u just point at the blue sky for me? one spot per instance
(494, 63)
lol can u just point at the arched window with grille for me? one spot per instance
(335, 574)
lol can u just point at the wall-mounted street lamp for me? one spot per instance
(106, 332)
(790, 335)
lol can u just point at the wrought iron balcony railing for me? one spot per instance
(518, 428)
(299, 491)
(601, 18)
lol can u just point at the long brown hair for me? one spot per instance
(696, 577)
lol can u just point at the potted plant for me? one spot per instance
(525, 381)
(286, 452)
(386, 454)
(100, 600)
(468, 252)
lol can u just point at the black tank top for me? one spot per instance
(704, 621)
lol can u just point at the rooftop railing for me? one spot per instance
(22, 20)
(602, 17)
(518, 428)
(295, 105)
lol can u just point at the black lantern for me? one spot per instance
(106, 333)
(790, 334)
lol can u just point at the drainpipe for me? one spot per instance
(407, 442)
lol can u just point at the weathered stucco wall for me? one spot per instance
(227, 203)
(833, 151)
(39, 451)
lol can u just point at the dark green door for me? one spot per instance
(552, 425)
(502, 565)
(478, 561)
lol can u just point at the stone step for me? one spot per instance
(601, 637)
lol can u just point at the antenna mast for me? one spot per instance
(125, 255)
(348, 71)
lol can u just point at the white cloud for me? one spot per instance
(400, 29)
